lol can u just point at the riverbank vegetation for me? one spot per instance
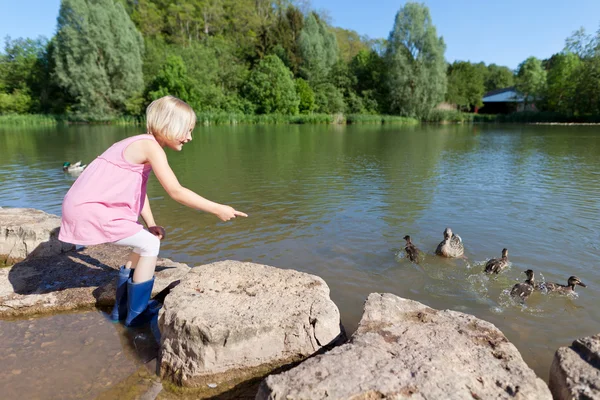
(247, 61)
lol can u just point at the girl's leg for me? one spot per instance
(145, 251)
(134, 257)
(139, 287)
(145, 269)
(143, 265)
(142, 241)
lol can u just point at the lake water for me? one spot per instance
(336, 201)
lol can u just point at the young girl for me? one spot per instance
(105, 202)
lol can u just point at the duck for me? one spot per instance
(523, 290)
(73, 168)
(558, 288)
(412, 253)
(495, 265)
(452, 245)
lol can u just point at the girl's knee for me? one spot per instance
(151, 247)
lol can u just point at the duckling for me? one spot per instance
(558, 288)
(523, 290)
(73, 168)
(495, 265)
(451, 246)
(412, 253)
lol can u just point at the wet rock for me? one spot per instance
(575, 370)
(26, 232)
(403, 349)
(229, 321)
(71, 280)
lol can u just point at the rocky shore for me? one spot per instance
(231, 323)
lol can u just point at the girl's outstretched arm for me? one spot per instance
(155, 155)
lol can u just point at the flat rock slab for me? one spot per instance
(76, 279)
(26, 232)
(228, 320)
(575, 370)
(404, 349)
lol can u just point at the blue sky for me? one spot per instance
(504, 32)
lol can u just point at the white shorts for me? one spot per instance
(144, 243)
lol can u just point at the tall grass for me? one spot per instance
(379, 119)
(207, 118)
(28, 119)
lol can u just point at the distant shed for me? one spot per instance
(504, 101)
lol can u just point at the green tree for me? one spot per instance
(270, 87)
(286, 32)
(318, 47)
(531, 79)
(465, 85)
(562, 81)
(349, 43)
(98, 56)
(498, 77)
(369, 68)
(587, 99)
(329, 99)
(416, 69)
(173, 80)
(306, 96)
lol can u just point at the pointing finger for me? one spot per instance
(241, 214)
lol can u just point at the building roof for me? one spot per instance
(505, 95)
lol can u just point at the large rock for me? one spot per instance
(404, 349)
(231, 321)
(575, 370)
(79, 278)
(25, 232)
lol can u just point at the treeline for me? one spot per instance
(566, 86)
(110, 58)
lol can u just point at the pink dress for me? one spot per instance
(104, 203)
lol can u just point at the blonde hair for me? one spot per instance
(169, 117)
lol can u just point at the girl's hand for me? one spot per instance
(225, 213)
(157, 231)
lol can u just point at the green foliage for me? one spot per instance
(416, 70)
(465, 85)
(29, 119)
(286, 33)
(587, 98)
(349, 43)
(318, 47)
(329, 99)
(98, 56)
(18, 102)
(562, 81)
(270, 87)
(368, 68)
(23, 75)
(379, 119)
(173, 80)
(306, 96)
(531, 79)
(498, 77)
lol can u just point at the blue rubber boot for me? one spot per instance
(140, 310)
(119, 311)
(154, 328)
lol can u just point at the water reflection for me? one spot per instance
(337, 200)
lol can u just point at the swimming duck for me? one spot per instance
(73, 168)
(412, 253)
(558, 288)
(495, 265)
(523, 290)
(451, 246)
